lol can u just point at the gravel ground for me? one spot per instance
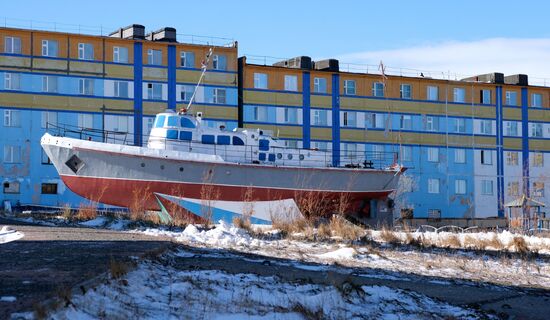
(49, 259)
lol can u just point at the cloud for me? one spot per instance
(462, 59)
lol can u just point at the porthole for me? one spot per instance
(143, 165)
(301, 157)
(289, 156)
(161, 167)
(181, 169)
(279, 155)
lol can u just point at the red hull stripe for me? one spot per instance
(127, 193)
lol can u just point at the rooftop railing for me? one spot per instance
(102, 30)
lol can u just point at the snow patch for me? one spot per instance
(7, 234)
(340, 254)
(8, 299)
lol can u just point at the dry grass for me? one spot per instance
(495, 243)
(342, 228)
(66, 212)
(474, 243)
(520, 245)
(40, 311)
(324, 231)
(86, 212)
(450, 241)
(243, 223)
(64, 294)
(118, 268)
(389, 236)
(138, 204)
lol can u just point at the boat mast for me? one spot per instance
(204, 66)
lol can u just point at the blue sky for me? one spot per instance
(358, 31)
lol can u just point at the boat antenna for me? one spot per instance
(204, 66)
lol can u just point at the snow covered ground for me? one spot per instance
(437, 262)
(7, 235)
(154, 291)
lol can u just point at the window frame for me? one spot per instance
(291, 85)
(83, 53)
(348, 88)
(456, 95)
(430, 90)
(402, 91)
(217, 97)
(462, 158)
(484, 187)
(50, 83)
(86, 86)
(46, 48)
(152, 55)
(261, 80)
(12, 81)
(13, 41)
(117, 56)
(14, 154)
(318, 84)
(460, 186)
(377, 91)
(508, 98)
(433, 154)
(433, 186)
(486, 157)
(12, 118)
(536, 103)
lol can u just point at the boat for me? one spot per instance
(215, 173)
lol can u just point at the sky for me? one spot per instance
(460, 37)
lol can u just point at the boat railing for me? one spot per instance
(284, 156)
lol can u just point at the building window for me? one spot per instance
(86, 86)
(536, 100)
(48, 119)
(290, 115)
(291, 83)
(433, 185)
(433, 154)
(319, 117)
(154, 57)
(432, 123)
(187, 59)
(349, 118)
(511, 98)
(49, 188)
(405, 91)
(460, 125)
(219, 62)
(294, 144)
(349, 87)
(12, 118)
(485, 96)
(85, 51)
(85, 121)
(349, 150)
(487, 187)
(260, 113)
(121, 89)
(377, 120)
(120, 54)
(538, 189)
(219, 96)
(434, 213)
(12, 81)
(12, 45)
(513, 189)
(378, 89)
(538, 159)
(405, 122)
(11, 187)
(536, 130)
(12, 154)
(320, 85)
(512, 158)
(459, 95)
(154, 91)
(460, 186)
(260, 80)
(511, 128)
(377, 152)
(186, 93)
(460, 156)
(49, 84)
(487, 157)
(486, 126)
(49, 48)
(406, 153)
(432, 93)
